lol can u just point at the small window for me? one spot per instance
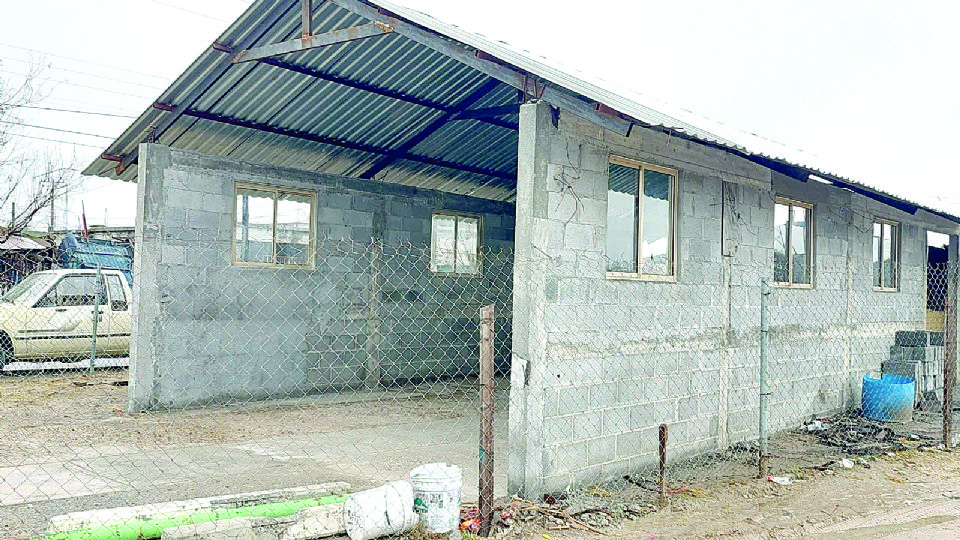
(455, 244)
(641, 217)
(118, 298)
(792, 242)
(274, 227)
(886, 266)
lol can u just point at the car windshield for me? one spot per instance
(29, 290)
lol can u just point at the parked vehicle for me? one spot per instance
(49, 316)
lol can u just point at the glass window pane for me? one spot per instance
(800, 254)
(468, 231)
(623, 210)
(442, 243)
(889, 268)
(293, 229)
(877, 233)
(656, 246)
(78, 291)
(781, 222)
(254, 229)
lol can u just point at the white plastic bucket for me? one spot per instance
(381, 511)
(436, 496)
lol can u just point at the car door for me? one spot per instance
(62, 324)
(114, 336)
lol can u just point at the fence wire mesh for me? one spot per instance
(347, 374)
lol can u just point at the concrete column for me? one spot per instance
(145, 308)
(525, 474)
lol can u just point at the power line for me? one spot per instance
(185, 10)
(76, 84)
(165, 79)
(54, 140)
(55, 129)
(94, 75)
(76, 112)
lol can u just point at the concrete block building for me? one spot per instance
(625, 246)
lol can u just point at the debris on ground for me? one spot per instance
(781, 480)
(857, 435)
(511, 516)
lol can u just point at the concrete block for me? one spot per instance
(603, 395)
(918, 338)
(601, 450)
(579, 237)
(201, 219)
(571, 400)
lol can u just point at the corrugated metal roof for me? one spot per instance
(346, 108)
(21, 243)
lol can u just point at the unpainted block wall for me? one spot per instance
(370, 312)
(600, 362)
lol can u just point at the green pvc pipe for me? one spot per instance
(147, 528)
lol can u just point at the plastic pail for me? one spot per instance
(381, 511)
(888, 399)
(436, 496)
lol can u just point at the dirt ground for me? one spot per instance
(912, 491)
(911, 494)
(51, 414)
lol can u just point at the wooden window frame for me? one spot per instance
(456, 228)
(674, 174)
(810, 244)
(895, 252)
(276, 192)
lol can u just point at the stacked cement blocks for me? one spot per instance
(208, 331)
(919, 355)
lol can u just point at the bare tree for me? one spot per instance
(30, 180)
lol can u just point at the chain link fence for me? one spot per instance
(349, 372)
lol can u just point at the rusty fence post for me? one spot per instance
(486, 419)
(949, 369)
(663, 466)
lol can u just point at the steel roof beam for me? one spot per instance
(380, 91)
(489, 66)
(508, 177)
(313, 41)
(269, 19)
(431, 128)
(487, 112)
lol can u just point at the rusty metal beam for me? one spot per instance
(307, 18)
(488, 112)
(314, 41)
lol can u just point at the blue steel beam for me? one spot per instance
(431, 128)
(506, 178)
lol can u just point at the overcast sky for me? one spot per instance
(868, 88)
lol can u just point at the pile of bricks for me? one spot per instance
(919, 354)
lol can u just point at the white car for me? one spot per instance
(49, 316)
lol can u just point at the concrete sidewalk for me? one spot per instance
(120, 476)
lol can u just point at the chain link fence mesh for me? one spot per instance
(365, 366)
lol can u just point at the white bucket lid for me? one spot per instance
(432, 471)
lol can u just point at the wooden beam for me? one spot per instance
(314, 41)
(583, 108)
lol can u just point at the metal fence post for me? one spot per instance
(764, 387)
(486, 419)
(96, 317)
(949, 367)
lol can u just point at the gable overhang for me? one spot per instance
(378, 91)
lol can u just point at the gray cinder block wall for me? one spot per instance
(598, 363)
(208, 331)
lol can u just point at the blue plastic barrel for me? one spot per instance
(889, 398)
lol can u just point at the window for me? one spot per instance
(792, 242)
(455, 244)
(74, 291)
(886, 240)
(118, 298)
(274, 227)
(641, 216)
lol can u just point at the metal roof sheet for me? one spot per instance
(344, 108)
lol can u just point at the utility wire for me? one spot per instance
(185, 10)
(35, 51)
(55, 129)
(53, 140)
(75, 84)
(76, 112)
(88, 74)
